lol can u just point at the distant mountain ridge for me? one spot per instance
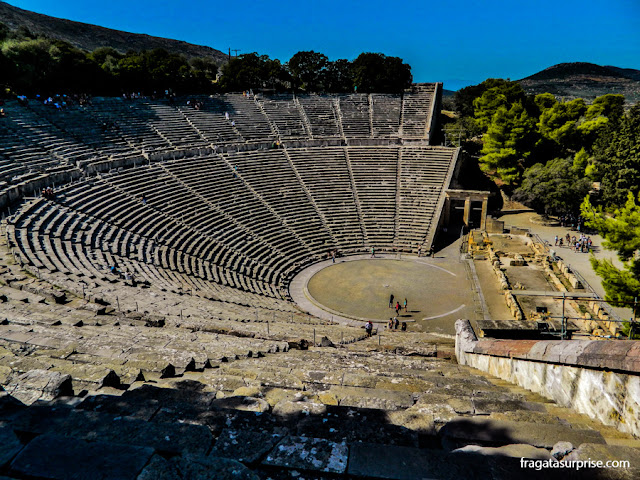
(585, 80)
(89, 37)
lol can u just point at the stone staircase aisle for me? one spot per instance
(354, 189)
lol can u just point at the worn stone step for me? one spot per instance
(57, 457)
(171, 438)
(371, 398)
(488, 432)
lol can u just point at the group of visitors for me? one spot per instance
(227, 117)
(123, 275)
(393, 321)
(397, 305)
(571, 221)
(581, 244)
(196, 104)
(48, 193)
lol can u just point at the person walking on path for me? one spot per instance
(373, 252)
(391, 301)
(405, 304)
(368, 328)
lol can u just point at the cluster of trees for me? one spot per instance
(547, 151)
(31, 64)
(550, 154)
(311, 71)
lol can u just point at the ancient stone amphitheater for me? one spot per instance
(147, 332)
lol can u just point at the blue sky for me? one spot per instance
(459, 43)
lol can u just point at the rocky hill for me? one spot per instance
(89, 37)
(585, 80)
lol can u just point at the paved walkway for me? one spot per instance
(577, 261)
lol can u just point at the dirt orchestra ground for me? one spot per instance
(358, 288)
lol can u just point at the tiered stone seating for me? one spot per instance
(283, 111)
(375, 177)
(270, 175)
(210, 121)
(78, 123)
(249, 120)
(326, 175)
(385, 114)
(159, 239)
(423, 176)
(416, 111)
(355, 115)
(213, 180)
(246, 220)
(30, 140)
(172, 125)
(132, 119)
(196, 367)
(322, 114)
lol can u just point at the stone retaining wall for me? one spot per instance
(598, 378)
(26, 188)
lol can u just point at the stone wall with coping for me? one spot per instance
(598, 378)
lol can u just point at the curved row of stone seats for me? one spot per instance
(222, 187)
(250, 122)
(171, 236)
(284, 112)
(130, 119)
(112, 126)
(355, 115)
(281, 326)
(385, 115)
(322, 113)
(416, 110)
(210, 121)
(172, 125)
(33, 131)
(246, 217)
(24, 150)
(270, 175)
(325, 174)
(114, 355)
(77, 122)
(60, 240)
(421, 191)
(163, 191)
(199, 307)
(375, 178)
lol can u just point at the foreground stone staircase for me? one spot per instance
(390, 407)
